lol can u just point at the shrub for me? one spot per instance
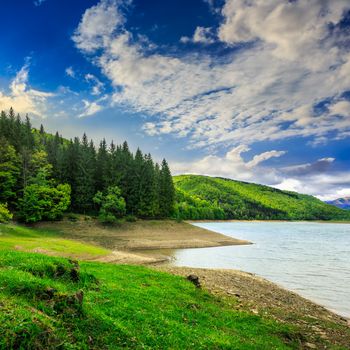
(73, 217)
(130, 218)
(44, 202)
(112, 205)
(5, 215)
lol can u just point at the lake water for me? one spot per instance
(312, 259)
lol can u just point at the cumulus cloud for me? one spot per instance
(317, 178)
(233, 165)
(340, 108)
(201, 35)
(266, 91)
(98, 24)
(323, 186)
(90, 108)
(294, 29)
(23, 98)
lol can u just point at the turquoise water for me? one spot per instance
(312, 259)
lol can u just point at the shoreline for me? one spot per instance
(248, 292)
(262, 297)
(291, 221)
(147, 242)
(142, 242)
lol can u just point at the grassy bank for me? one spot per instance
(46, 306)
(48, 241)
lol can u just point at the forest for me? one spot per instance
(203, 197)
(43, 175)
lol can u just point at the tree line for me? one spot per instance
(42, 175)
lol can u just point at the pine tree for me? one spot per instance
(102, 164)
(84, 178)
(148, 199)
(134, 177)
(9, 171)
(166, 191)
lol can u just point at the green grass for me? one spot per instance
(15, 237)
(203, 197)
(124, 306)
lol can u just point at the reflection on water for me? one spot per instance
(312, 259)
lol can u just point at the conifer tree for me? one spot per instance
(148, 199)
(102, 164)
(84, 178)
(166, 191)
(9, 171)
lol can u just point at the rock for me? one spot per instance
(74, 272)
(310, 346)
(79, 296)
(50, 292)
(195, 280)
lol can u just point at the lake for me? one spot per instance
(312, 259)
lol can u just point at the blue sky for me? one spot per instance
(252, 90)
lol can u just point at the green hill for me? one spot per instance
(203, 197)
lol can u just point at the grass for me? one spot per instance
(15, 237)
(132, 307)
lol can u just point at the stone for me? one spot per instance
(195, 280)
(79, 296)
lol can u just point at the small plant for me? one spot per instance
(73, 217)
(5, 214)
(130, 218)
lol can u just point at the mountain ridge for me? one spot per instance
(342, 203)
(205, 197)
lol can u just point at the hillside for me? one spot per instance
(203, 197)
(343, 203)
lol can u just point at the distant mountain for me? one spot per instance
(343, 203)
(203, 197)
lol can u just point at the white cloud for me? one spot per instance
(293, 29)
(312, 178)
(90, 108)
(265, 92)
(323, 186)
(97, 85)
(22, 98)
(38, 2)
(201, 35)
(340, 108)
(70, 72)
(98, 24)
(232, 165)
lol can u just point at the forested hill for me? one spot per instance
(42, 175)
(202, 197)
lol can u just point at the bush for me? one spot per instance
(112, 205)
(44, 202)
(73, 217)
(130, 218)
(5, 215)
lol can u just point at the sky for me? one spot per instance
(253, 90)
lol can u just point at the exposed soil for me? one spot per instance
(127, 239)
